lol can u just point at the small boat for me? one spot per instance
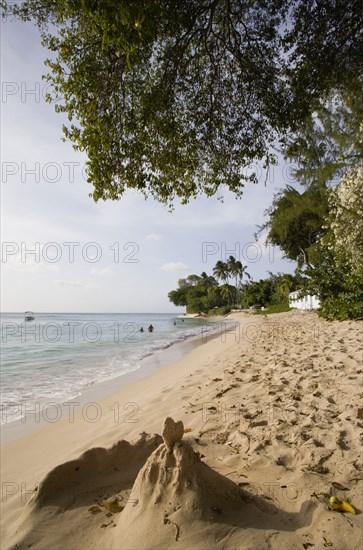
(29, 316)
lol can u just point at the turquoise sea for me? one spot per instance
(57, 356)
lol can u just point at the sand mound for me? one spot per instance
(79, 481)
(64, 497)
(182, 502)
(175, 501)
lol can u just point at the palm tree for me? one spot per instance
(233, 270)
(220, 271)
(207, 280)
(237, 270)
(240, 271)
(231, 264)
(226, 290)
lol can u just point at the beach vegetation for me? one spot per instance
(220, 311)
(296, 221)
(278, 308)
(272, 291)
(203, 294)
(321, 228)
(336, 274)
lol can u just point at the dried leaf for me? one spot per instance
(187, 430)
(95, 509)
(104, 525)
(177, 533)
(338, 486)
(113, 506)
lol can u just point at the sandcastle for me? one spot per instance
(172, 433)
(154, 492)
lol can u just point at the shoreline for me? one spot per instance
(39, 417)
(272, 407)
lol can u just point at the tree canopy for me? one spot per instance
(329, 142)
(176, 99)
(296, 221)
(328, 147)
(336, 274)
(346, 207)
(322, 227)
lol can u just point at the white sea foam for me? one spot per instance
(57, 356)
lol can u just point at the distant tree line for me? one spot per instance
(217, 294)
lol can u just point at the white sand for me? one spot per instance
(271, 419)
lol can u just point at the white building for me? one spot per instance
(303, 302)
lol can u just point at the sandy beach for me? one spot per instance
(273, 424)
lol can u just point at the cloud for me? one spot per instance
(29, 266)
(101, 271)
(77, 283)
(63, 282)
(155, 237)
(173, 266)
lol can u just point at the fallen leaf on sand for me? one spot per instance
(94, 509)
(112, 506)
(338, 486)
(187, 430)
(104, 525)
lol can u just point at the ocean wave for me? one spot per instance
(61, 373)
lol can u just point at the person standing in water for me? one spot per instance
(151, 328)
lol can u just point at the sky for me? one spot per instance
(61, 252)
